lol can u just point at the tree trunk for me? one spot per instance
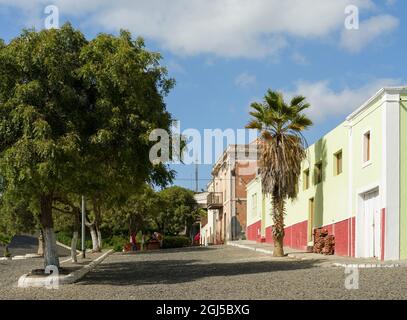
(74, 243)
(94, 236)
(40, 251)
(99, 235)
(7, 253)
(95, 232)
(75, 235)
(278, 227)
(50, 244)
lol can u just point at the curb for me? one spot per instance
(25, 281)
(66, 247)
(20, 257)
(5, 259)
(241, 246)
(366, 265)
(265, 251)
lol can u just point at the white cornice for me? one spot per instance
(378, 95)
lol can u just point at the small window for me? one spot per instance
(367, 147)
(254, 204)
(338, 163)
(318, 173)
(305, 179)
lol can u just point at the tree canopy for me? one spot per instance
(75, 116)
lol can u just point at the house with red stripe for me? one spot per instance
(353, 183)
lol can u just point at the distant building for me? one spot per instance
(226, 200)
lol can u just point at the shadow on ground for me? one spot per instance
(172, 271)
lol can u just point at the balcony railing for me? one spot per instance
(215, 200)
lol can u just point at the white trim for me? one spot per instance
(368, 188)
(392, 175)
(363, 107)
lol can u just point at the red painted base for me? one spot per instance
(296, 236)
(253, 232)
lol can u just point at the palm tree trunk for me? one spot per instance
(278, 227)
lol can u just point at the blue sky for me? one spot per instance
(224, 54)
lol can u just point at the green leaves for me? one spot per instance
(282, 143)
(75, 114)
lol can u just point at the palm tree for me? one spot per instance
(282, 149)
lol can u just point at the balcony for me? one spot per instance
(215, 200)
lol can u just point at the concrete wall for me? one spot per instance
(403, 177)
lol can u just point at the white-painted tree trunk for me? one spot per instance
(99, 234)
(94, 236)
(40, 250)
(73, 247)
(50, 248)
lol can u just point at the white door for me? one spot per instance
(371, 225)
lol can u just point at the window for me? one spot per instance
(318, 173)
(338, 163)
(254, 205)
(305, 179)
(367, 147)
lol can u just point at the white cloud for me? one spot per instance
(369, 30)
(326, 102)
(300, 59)
(227, 28)
(245, 80)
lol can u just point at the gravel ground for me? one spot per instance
(211, 273)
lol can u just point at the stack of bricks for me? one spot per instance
(329, 247)
(323, 242)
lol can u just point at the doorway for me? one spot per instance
(370, 231)
(311, 216)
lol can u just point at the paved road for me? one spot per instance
(25, 244)
(215, 273)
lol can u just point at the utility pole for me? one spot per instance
(196, 176)
(83, 228)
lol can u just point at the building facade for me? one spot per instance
(226, 202)
(353, 183)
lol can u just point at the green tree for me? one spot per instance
(178, 210)
(135, 211)
(75, 117)
(282, 151)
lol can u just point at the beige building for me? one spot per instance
(226, 200)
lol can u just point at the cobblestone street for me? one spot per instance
(209, 273)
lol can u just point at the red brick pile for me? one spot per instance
(323, 242)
